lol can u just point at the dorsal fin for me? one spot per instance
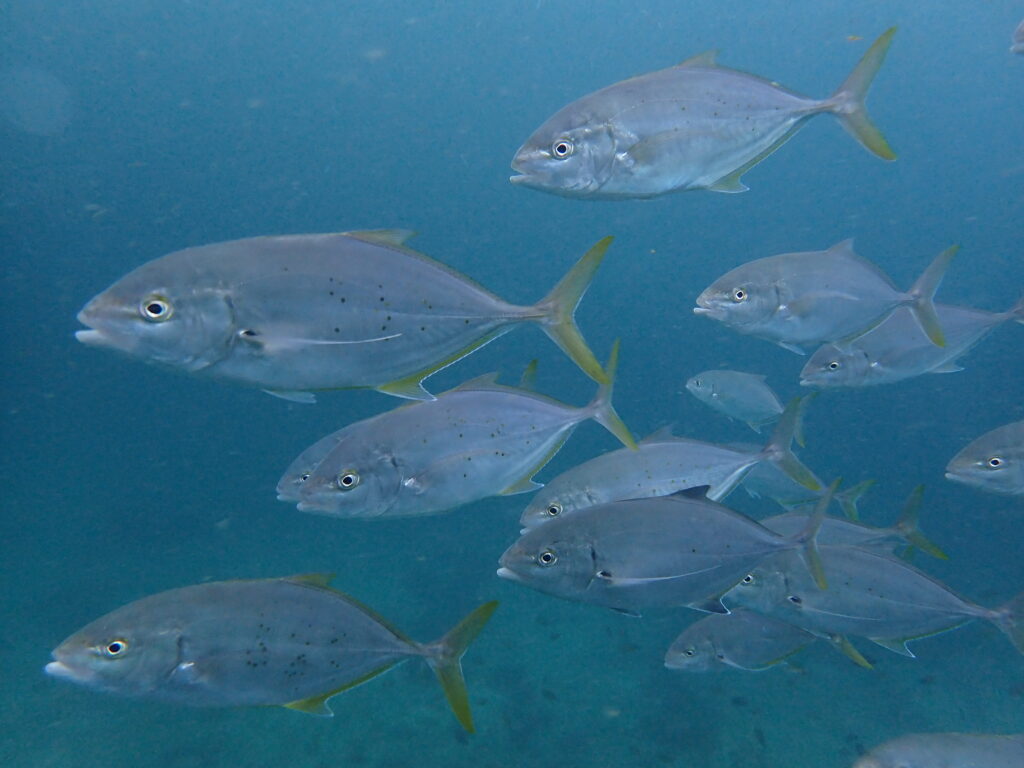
(705, 59)
(312, 579)
(484, 380)
(697, 492)
(383, 236)
(662, 433)
(529, 378)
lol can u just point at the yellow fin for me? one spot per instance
(313, 579)
(317, 705)
(705, 59)
(383, 236)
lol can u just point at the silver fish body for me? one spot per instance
(993, 462)
(897, 349)
(296, 314)
(693, 126)
(741, 639)
(291, 642)
(741, 396)
(810, 297)
(947, 750)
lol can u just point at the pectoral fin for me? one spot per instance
(292, 395)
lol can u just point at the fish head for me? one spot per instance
(739, 298)
(570, 155)
(833, 365)
(289, 487)
(555, 500)
(692, 652)
(988, 467)
(550, 560)
(119, 654)
(353, 480)
(701, 387)
(153, 313)
(759, 590)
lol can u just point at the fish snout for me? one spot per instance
(506, 573)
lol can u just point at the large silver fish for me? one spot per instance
(993, 462)
(947, 750)
(293, 642)
(296, 314)
(896, 349)
(678, 550)
(664, 464)
(693, 126)
(741, 396)
(477, 440)
(870, 595)
(741, 639)
(810, 297)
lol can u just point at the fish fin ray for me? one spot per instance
(847, 103)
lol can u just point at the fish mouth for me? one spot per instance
(62, 671)
(521, 179)
(506, 573)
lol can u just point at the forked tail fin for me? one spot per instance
(779, 448)
(848, 100)
(601, 409)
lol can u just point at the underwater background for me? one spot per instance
(132, 128)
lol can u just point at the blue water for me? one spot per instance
(191, 123)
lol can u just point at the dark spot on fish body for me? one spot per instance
(337, 330)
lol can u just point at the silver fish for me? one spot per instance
(664, 464)
(678, 550)
(947, 750)
(292, 315)
(477, 440)
(764, 480)
(292, 642)
(693, 126)
(810, 297)
(741, 396)
(741, 639)
(896, 349)
(993, 462)
(870, 595)
(1018, 39)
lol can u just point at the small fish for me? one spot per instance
(477, 440)
(993, 462)
(947, 750)
(870, 595)
(664, 464)
(896, 349)
(693, 126)
(296, 314)
(678, 550)
(741, 639)
(741, 396)
(292, 642)
(811, 297)
(1018, 39)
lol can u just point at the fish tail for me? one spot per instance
(779, 448)
(907, 525)
(847, 103)
(848, 499)
(1017, 310)
(923, 296)
(601, 409)
(445, 658)
(555, 311)
(807, 539)
(1010, 619)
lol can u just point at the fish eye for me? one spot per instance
(795, 599)
(547, 557)
(995, 462)
(304, 477)
(348, 479)
(562, 149)
(748, 579)
(834, 365)
(689, 652)
(554, 509)
(156, 308)
(115, 648)
(739, 295)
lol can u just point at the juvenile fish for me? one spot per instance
(292, 642)
(477, 440)
(741, 639)
(947, 750)
(678, 550)
(664, 464)
(993, 462)
(295, 314)
(741, 396)
(797, 299)
(693, 126)
(896, 349)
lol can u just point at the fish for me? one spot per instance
(1017, 45)
(480, 439)
(839, 532)
(293, 642)
(896, 349)
(297, 314)
(812, 297)
(289, 487)
(764, 480)
(993, 462)
(947, 750)
(741, 639)
(678, 550)
(664, 464)
(696, 125)
(870, 594)
(740, 396)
